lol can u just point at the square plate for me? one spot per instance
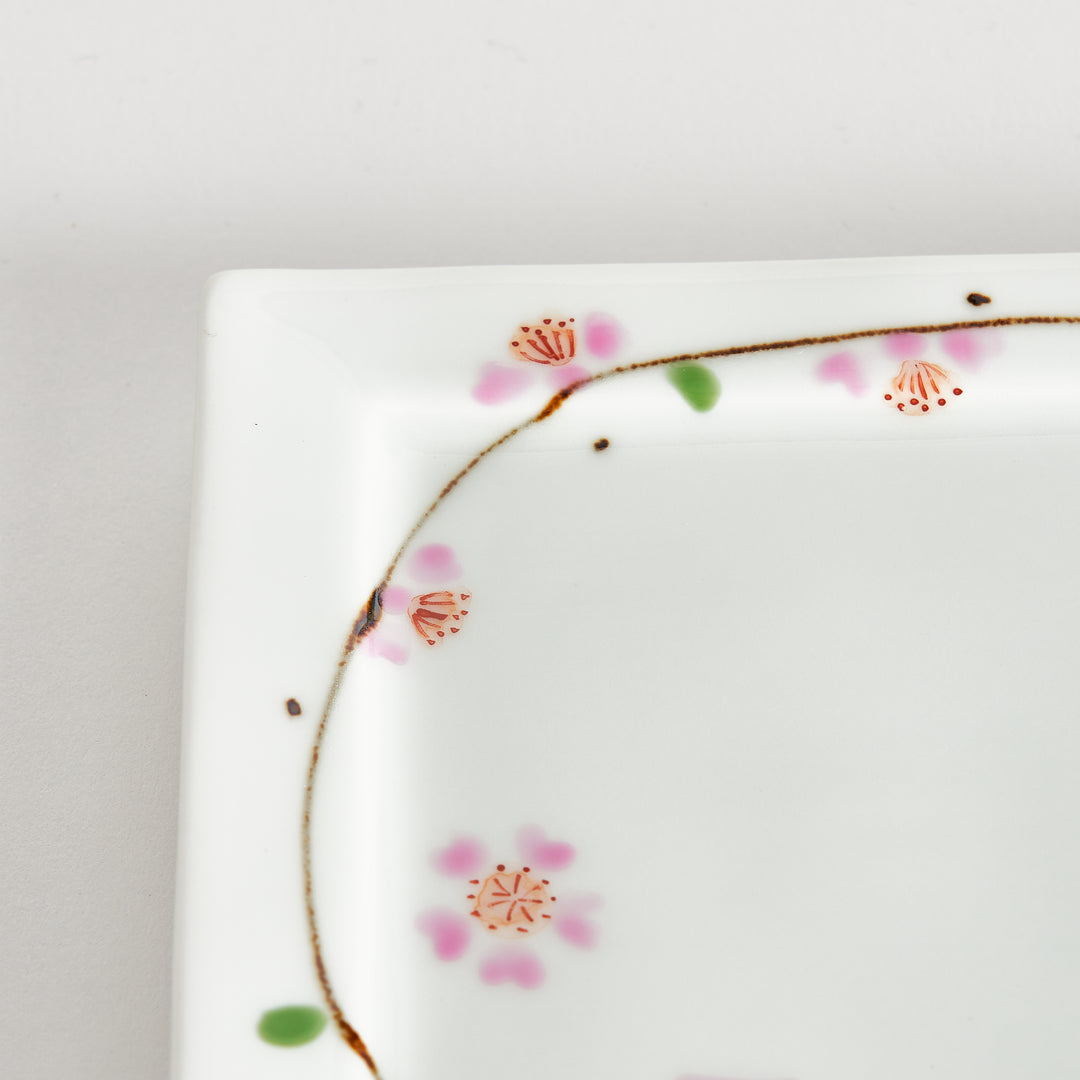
(716, 717)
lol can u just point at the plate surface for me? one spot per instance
(718, 724)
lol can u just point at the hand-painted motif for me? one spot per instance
(432, 615)
(508, 905)
(920, 386)
(558, 343)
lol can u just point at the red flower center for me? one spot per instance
(512, 904)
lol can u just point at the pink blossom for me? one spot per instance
(508, 906)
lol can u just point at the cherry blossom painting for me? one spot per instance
(513, 896)
(508, 906)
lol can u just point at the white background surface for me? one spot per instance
(146, 146)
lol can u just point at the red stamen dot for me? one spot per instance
(554, 898)
(547, 322)
(475, 881)
(563, 323)
(914, 401)
(901, 406)
(571, 320)
(957, 391)
(471, 896)
(888, 397)
(515, 343)
(926, 408)
(545, 881)
(524, 869)
(500, 867)
(941, 401)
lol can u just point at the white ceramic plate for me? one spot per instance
(759, 689)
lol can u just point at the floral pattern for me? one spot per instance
(508, 904)
(551, 342)
(555, 344)
(503, 907)
(920, 386)
(434, 616)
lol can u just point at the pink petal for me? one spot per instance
(514, 965)
(603, 335)
(576, 930)
(542, 853)
(462, 858)
(498, 383)
(967, 349)
(378, 644)
(843, 368)
(395, 599)
(435, 562)
(448, 930)
(562, 377)
(571, 922)
(903, 346)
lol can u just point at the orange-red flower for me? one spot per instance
(550, 341)
(920, 387)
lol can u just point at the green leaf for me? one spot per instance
(697, 384)
(291, 1025)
